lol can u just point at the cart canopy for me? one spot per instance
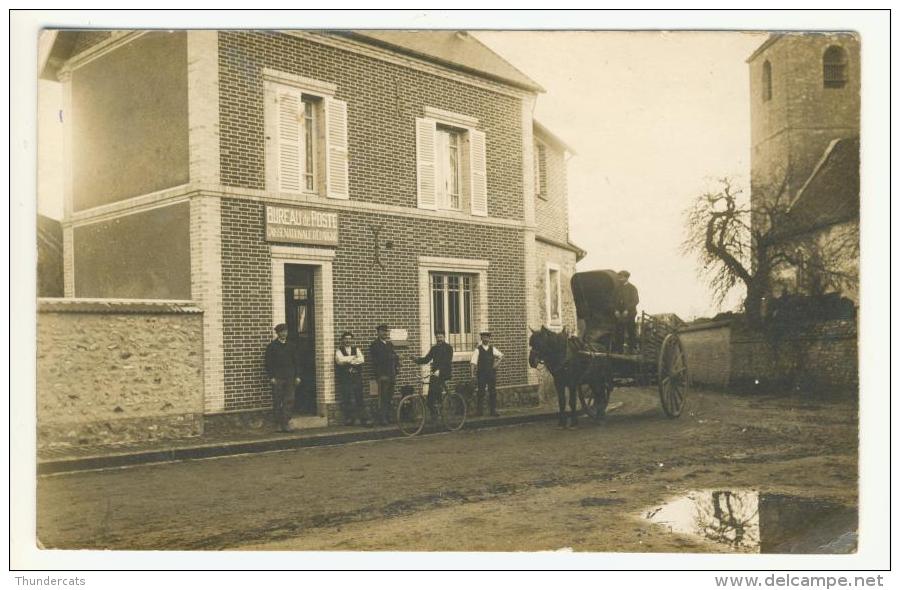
(595, 294)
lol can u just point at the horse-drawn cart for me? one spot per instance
(591, 363)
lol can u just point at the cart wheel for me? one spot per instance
(672, 376)
(594, 398)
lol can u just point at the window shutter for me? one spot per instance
(479, 172)
(425, 163)
(290, 141)
(337, 183)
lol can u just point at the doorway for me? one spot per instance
(299, 313)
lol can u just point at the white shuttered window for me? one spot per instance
(306, 143)
(450, 167)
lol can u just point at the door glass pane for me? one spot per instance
(302, 327)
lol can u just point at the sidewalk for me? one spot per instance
(50, 461)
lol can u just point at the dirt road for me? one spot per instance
(529, 487)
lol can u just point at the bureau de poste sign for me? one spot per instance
(301, 225)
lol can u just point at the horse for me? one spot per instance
(557, 352)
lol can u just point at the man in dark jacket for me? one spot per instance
(626, 310)
(441, 358)
(282, 367)
(386, 365)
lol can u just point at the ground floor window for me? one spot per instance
(452, 309)
(552, 294)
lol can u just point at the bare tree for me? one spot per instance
(747, 243)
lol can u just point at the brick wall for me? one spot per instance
(364, 293)
(552, 209)
(383, 101)
(110, 372)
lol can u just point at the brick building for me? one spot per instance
(804, 116)
(330, 180)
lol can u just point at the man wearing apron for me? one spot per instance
(485, 361)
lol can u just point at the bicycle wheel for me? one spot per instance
(411, 414)
(453, 411)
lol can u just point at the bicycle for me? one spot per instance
(412, 412)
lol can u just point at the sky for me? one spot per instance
(654, 117)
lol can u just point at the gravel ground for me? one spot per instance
(518, 488)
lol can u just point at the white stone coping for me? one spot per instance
(97, 305)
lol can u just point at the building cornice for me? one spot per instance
(184, 192)
(116, 40)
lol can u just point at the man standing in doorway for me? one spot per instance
(386, 364)
(349, 360)
(485, 361)
(282, 367)
(441, 358)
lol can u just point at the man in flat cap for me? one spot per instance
(441, 358)
(626, 312)
(386, 365)
(283, 369)
(485, 361)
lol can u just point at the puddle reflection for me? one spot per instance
(753, 522)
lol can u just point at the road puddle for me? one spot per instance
(748, 521)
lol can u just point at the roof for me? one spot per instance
(549, 137)
(831, 193)
(456, 49)
(772, 39)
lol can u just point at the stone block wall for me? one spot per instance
(115, 371)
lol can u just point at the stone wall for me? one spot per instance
(813, 358)
(707, 351)
(114, 371)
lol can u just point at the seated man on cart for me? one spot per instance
(626, 312)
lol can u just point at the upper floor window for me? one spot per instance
(540, 170)
(451, 163)
(306, 141)
(766, 81)
(449, 167)
(834, 67)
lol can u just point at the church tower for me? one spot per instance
(804, 93)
